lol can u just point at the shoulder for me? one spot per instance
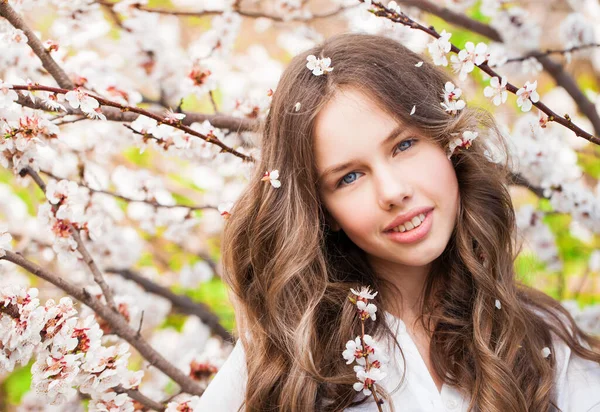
(577, 380)
(227, 389)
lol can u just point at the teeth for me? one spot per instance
(411, 224)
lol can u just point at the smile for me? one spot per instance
(412, 231)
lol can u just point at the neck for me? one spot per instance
(406, 301)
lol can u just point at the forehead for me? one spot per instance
(349, 125)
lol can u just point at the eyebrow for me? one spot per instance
(400, 129)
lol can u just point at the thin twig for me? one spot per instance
(547, 52)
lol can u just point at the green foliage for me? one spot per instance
(143, 160)
(17, 384)
(214, 294)
(590, 164)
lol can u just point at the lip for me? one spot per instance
(413, 235)
(407, 216)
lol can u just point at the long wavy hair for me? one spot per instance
(289, 274)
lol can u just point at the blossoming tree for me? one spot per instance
(128, 130)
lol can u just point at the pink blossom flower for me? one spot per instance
(471, 55)
(273, 177)
(78, 99)
(366, 379)
(439, 47)
(5, 240)
(496, 90)
(526, 95)
(452, 104)
(318, 66)
(464, 141)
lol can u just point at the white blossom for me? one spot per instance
(367, 378)
(496, 90)
(5, 240)
(465, 141)
(273, 178)
(7, 95)
(498, 304)
(468, 58)
(78, 99)
(439, 47)
(526, 95)
(364, 293)
(452, 102)
(546, 352)
(318, 66)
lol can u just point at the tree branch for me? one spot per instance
(159, 118)
(87, 258)
(182, 303)
(117, 323)
(243, 13)
(62, 79)
(561, 77)
(153, 203)
(552, 116)
(141, 398)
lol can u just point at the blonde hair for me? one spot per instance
(290, 274)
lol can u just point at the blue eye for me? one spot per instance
(399, 145)
(403, 148)
(346, 181)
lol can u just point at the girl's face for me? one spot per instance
(383, 179)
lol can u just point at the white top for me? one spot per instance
(578, 381)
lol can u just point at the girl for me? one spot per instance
(379, 188)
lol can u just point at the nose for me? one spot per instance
(391, 189)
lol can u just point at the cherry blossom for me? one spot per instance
(439, 47)
(111, 402)
(464, 141)
(7, 95)
(367, 310)
(366, 378)
(526, 95)
(319, 66)
(546, 352)
(496, 90)
(468, 58)
(393, 6)
(5, 240)
(79, 99)
(188, 403)
(452, 102)
(224, 209)
(364, 293)
(272, 177)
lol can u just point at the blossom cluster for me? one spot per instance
(68, 349)
(363, 349)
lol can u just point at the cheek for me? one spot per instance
(353, 214)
